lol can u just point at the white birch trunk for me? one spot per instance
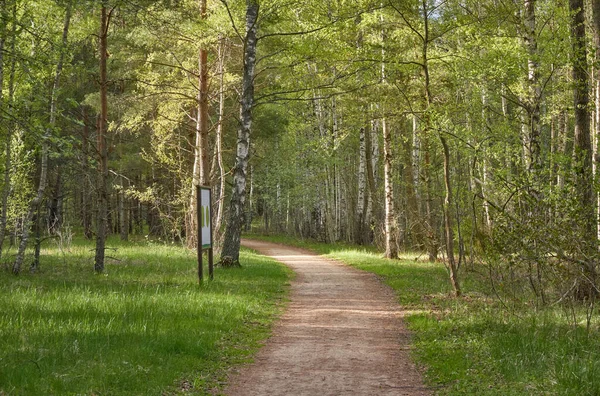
(231, 244)
(362, 185)
(219, 138)
(37, 200)
(391, 250)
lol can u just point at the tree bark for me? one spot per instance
(391, 250)
(219, 138)
(596, 24)
(231, 244)
(432, 241)
(102, 187)
(123, 223)
(583, 146)
(201, 171)
(362, 186)
(37, 200)
(448, 223)
(7, 160)
(532, 99)
(85, 196)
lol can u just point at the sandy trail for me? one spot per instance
(342, 334)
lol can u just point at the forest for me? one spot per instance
(466, 131)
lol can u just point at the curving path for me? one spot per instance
(342, 334)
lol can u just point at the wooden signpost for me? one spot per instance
(205, 237)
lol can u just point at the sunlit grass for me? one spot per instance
(473, 345)
(144, 327)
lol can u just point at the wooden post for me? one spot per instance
(211, 269)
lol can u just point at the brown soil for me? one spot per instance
(342, 334)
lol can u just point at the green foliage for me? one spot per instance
(143, 327)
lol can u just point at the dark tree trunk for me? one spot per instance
(86, 214)
(448, 223)
(583, 147)
(201, 171)
(102, 187)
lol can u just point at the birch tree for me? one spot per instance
(45, 149)
(231, 244)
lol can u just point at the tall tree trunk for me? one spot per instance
(201, 171)
(3, 34)
(102, 187)
(533, 93)
(596, 19)
(362, 187)
(391, 250)
(485, 167)
(7, 160)
(414, 224)
(448, 223)
(231, 244)
(432, 240)
(39, 196)
(219, 139)
(372, 157)
(583, 147)
(85, 196)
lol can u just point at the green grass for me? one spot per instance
(473, 345)
(144, 327)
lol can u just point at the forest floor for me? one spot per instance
(342, 333)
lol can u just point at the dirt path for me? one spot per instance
(342, 334)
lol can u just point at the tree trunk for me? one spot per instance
(448, 226)
(201, 171)
(102, 215)
(231, 245)
(219, 138)
(532, 100)
(123, 223)
(414, 223)
(583, 147)
(37, 200)
(372, 157)
(359, 237)
(596, 19)
(9, 129)
(432, 240)
(55, 215)
(391, 250)
(85, 196)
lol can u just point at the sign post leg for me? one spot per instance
(200, 269)
(199, 230)
(211, 272)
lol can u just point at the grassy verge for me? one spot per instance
(473, 345)
(144, 327)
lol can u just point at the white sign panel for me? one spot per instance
(205, 218)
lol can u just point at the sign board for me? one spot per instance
(205, 218)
